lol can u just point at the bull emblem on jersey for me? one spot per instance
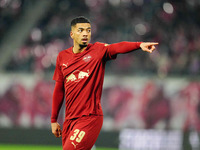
(82, 74)
(77, 75)
(71, 77)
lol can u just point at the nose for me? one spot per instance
(85, 33)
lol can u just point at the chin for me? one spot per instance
(83, 45)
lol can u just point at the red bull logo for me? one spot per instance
(77, 75)
(87, 58)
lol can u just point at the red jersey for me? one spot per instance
(83, 75)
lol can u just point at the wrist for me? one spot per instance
(53, 120)
(140, 43)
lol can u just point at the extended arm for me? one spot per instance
(125, 47)
(58, 97)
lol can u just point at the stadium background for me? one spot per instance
(150, 101)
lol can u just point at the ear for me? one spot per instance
(71, 34)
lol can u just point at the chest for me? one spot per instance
(79, 65)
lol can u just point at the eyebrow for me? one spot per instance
(84, 28)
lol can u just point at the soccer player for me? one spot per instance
(79, 76)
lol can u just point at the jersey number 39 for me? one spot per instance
(78, 135)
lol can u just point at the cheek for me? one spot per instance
(76, 37)
(89, 34)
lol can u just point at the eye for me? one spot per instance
(80, 30)
(89, 30)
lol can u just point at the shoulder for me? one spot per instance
(98, 45)
(65, 51)
(64, 54)
(101, 44)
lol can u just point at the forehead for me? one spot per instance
(82, 25)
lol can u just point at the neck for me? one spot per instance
(78, 48)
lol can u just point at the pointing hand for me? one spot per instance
(148, 46)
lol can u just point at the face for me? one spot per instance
(81, 34)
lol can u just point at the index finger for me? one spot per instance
(153, 43)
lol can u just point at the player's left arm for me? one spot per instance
(125, 47)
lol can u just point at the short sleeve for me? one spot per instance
(58, 75)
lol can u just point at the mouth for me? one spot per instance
(84, 40)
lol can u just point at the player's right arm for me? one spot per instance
(58, 97)
(56, 130)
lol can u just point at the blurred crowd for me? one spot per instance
(10, 12)
(149, 107)
(152, 108)
(24, 107)
(174, 24)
